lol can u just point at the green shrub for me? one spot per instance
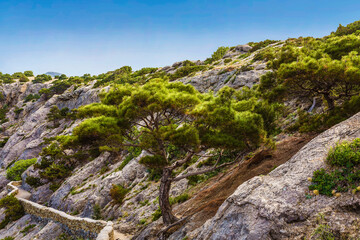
(63, 77)
(42, 78)
(179, 199)
(54, 186)
(344, 159)
(217, 55)
(27, 229)
(118, 192)
(194, 180)
(258, 45)
(97, 212)
(29, 73)
(345, 154)
(3, 112)
(226, 61)
(156, 215)
(349, 29)
(185, 71)
(17, 110)
(17, 75)
(33, 181)
(23, 79)
(7, 78)
(8, 238)
(14, 172)
(4, 141)
(55, 172)
(31, 97)
(13, 210)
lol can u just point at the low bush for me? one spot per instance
(13, 210)
(179, 199)
(55, 172)
(29, 73)
(27, 229)
(33, 181)
(4, 141)
(344, 159)
(42, 78)
(31, 97)
(185, 71)
(23, 79)
(118, 192)
(217, 55)
(258, 45)
(226, 61)
(156, 215)
(8, 238)
(97, 212)
(7, 78)
(17, 110)
(14, 173)
(345, 154)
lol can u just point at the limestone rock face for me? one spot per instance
(214, 80)
(25, 141)
(275, 206)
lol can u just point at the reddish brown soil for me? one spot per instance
(208, 197)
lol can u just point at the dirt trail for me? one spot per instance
(23, 194)
(207, 199)
(120, 236)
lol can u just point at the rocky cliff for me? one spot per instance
(272, 206)
(276, 206)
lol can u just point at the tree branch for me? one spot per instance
(182, 162)
(203, 171)
(215, 167)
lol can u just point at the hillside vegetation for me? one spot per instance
(129, 146)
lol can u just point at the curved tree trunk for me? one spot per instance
(165, 184)
(330, 101)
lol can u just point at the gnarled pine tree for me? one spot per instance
(160, 116)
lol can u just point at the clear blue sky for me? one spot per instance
(78, 36)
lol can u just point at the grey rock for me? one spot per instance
(268, 205)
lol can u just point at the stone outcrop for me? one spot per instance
(276, 207)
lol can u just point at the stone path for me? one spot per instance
(22, 194)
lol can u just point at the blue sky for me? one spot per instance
(77, 37)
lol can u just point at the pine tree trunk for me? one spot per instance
(329, 101)
(165, 184)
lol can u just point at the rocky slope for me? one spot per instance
(88, 186)
(275, 206)
(275, 203)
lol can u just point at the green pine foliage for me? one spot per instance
(13, 210)
(31, 97)
(6, 78)
(42, 78)
(258, 45)
(29, 73)
(349, 29)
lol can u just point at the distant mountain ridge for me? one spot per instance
(53, 74)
